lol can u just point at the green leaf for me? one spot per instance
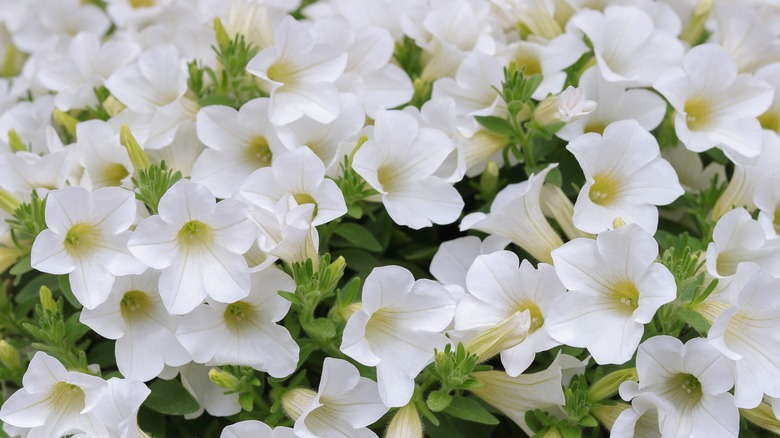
(64, 282)
(21, 267)
(291, 297)
(439, 400)
(169, 397)
(246, 401)
(321, 327)
(216, 100)
(358, 236)
(693, 319)
(471, 410)
(496, 124)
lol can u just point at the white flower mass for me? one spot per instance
(396, 218)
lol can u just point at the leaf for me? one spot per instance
(169, 397)
(496, 124)
(321, 327)
(64, 282)
(439, 400)
(471, 410)
(291, 297)
(21, 267)
(216, 100)
(358, 236)
(693, 319)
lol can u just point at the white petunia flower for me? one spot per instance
(497, 289)
(344, 404)
(87, 238)
(211, 397)
(399, 161)
(105, 161)
(397, 329)
(514, 396)
(516, 213)
(625, 177)
(640, 420)
(692, 383)
(746, 333)
(300, 75)
(615, 103)
(746, 36)
(198, 244)
(89, 65)
(715, 106)
(135, 316)
(301, 174)
(453, 258)
(119, 407)
(627, 46)
(256, 429)
(738, 238)
(286, 232)
(238, 143)
(54, 402)
(245, 332)
(615, 288)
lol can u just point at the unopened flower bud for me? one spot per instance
(350, 310)
(694, 30)
(296, 401)
(223, 39)
(47, 301)
(607, 414)
(405, 424)
(223, 379)
(16, 143)
(137, 156)
(609, 384)
(67, 121)
(618, 222)
(9, 356)
(566, 107)
(8, 202)
(763, 416)
(113, 106)
(556, 205)
(503, 336)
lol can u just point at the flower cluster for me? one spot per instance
(347, 218)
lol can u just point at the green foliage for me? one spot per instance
(152, 183)
(169, 397)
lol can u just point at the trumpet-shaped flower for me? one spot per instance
(245, 332)
(55, 402)
(399, 161)
(238, 143)
(747, 334)
(692, 383)
(301, 174)
(87, 238)
(198, 244)
(397, 329)
(738, 238)
(715, 106)
(453, 258)
(498, 288)
(300, 75)
(516, 213)
(625, 177)
(119, 408)
(344, 404)
(614, 289)
(105, 161)
(256, 429)
(627, 46)
(286, 231)
(135, 316)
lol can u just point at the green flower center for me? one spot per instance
(258, 152)
(239, 314)
(603, 190)
(138, 4)
(597, 127)
(134, 304)
(195, 233)
(279, 71)
(114, 173)
(688, 386)
(305, 198)
(770, 120)
(537, 320)
(530, 61)
(80, 239)
(67, 397)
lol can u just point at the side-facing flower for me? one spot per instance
(87, 238)
(614, 289)
(738, 238)
(397, 329)
(625, 177)
(198, 244)
(245, 332)
(344, 404)
(55, 402)
(497, 289)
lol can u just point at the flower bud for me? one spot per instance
(607, 414)
(223, 39)
(558, 206)
(565, 107)
(9, 356)
(763, 417)
(16, 143)
(296, 401)
(137, 156)
(503, 336)
(67, 121)
(694, 30)
(223, 379)
(47, 302)
(609, 384)
(350, 310)
(113, 106)
(8, 202)
(405, 424)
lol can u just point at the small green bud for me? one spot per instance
(350, 310)
(67, 122)
(609, 384)
(8, 202)
(223, 379)
(694, 30)
(47, 301)
(9, 356)
(607, 414)
(113, 106)
(762, 416)
(137, 156)
(488, 181)
(17, 145)
(223, 39)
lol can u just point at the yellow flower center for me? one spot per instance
(305, 198)
(625, 293)
(770, 120)
(529, 59)
(67, 397)
(134, 304)
(603, 190)
(195, 233)
(279, 71)
(597, 127)
(258, 152)
(80, 239)
(687, 385)
(537, 320)
(697, 114)
(138, 4)
(114, 173)
(238, 314)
